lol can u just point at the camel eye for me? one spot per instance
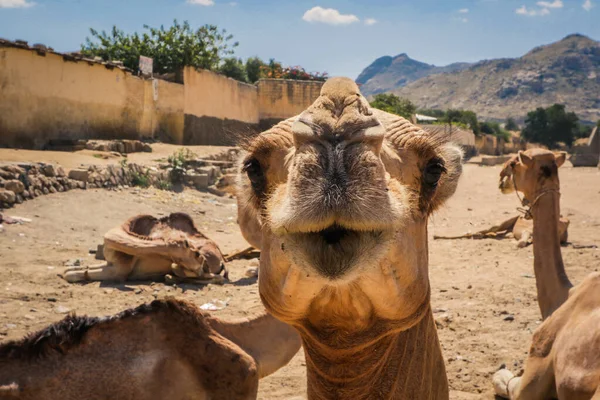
(254, 171)
(433, 172)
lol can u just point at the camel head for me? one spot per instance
(532, 172)
(342, 194)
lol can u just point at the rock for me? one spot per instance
(7, 196)
(38, 192)
(227, 180)
(49, 170)
(45, 190)
(26, 194)
(200, 181)
(100, 252)
(60, 172)
(146, 148)
(509, 318)
(61, 309)
(18, 199)
(14, 186)
(52, 189)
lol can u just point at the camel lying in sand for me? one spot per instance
(146, 248)
(343, 193)
(564, 357)
(520, 227)
(167, 349)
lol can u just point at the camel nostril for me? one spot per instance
(334, 234)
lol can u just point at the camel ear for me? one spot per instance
(560, 158)
(525, 159)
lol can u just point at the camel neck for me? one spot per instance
(551, 279)
(269, 341)
(402, 365)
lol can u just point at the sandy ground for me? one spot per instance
(160, 152)
(475, 283)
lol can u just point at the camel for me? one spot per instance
(521, 228)
(564, 361)
(343, 193)
(146, 248)
(167, 349)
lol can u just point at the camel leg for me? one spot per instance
(525, 239)
(503, 227)
(117, 269)
(181, 272)
(537, 383)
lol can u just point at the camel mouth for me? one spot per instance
(336, 250)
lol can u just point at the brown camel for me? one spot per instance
(167, 349)
(564, 359)
(145, 248)
(521, 228)
(343, 194)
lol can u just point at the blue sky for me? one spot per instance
(337, 36)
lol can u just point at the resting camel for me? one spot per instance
(564, 358)
(343, 193)
(146, 248)
(167, 349)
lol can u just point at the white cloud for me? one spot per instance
(531, 12)
(463, 10)
(16, 4)
(328, 16)
(587, 5)
(370, 21)
(465, 20)
(201, 2)
(554, 4)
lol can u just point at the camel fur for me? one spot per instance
(564, 356)
(148, 248)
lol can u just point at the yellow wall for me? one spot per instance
(280, 99)
(213, 95)
(44, 97)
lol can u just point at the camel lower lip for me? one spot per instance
(336, 250)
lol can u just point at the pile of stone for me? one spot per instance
(119, 146)
(213, 173)
(20, 182)
(27, 181)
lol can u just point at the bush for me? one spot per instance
(177, 163)
(494, 128)
(171, 49)
(394, 105)
(511, 125)
(234, 68)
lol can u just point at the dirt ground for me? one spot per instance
(476, 284)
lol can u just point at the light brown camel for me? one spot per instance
(167, 349)
(564, 358)
(343, 193)
(521, 228)
(145, 248)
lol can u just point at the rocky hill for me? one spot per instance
(389, 73)
(566, 72)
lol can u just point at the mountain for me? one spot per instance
(566, 72)
(388, 73)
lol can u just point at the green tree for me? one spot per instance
(494, 128)
(469, 118)
(550, 126)
(511, 125)
(253, 68)
(171, 49)
(394, 104)
(234, 68)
